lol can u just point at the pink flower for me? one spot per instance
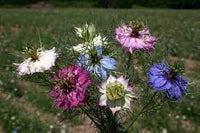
(70, 87)
(131, 38)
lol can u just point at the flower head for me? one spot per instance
(70, 87)
(135, 36)
(39, 61)
(95, 62)
(86, 32)
(164, 78)
(87, 46)
(116, 94)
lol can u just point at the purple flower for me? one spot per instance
(70, 87)
(133, 37)
(163, 78)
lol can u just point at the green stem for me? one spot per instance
(142, 111)
(128, 63)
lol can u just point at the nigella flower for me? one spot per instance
(117, 94)
(135, 36)
(87, 46)
(70, 88)
(39, 60)
(164, 78)
(96, 63)
(86, 32)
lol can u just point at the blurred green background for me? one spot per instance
(25, 106)
(177, 4)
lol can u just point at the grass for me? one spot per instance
(178, 37)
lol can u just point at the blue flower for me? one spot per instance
(95, 62)
(162, 78)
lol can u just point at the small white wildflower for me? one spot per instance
(177, 117)
(51, 126)
(7, 68)
(164, 130)
(183, 117)
(12, 80)
(188, 108)
(62, 131)
(63, 126)
(8, 96)
(13, 118)
(44, 60)
(192, 96)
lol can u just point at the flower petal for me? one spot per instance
(102, 100)
(83, 60)
(123, 81)
(102, 88)
(100, 71)
(114, 110)
(99, 50)
(111, 79)
(108, 63)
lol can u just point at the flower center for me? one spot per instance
(94, 57)
(65, 85)
(176, 69)
(115, 91)
(136, 28)
(33, 54)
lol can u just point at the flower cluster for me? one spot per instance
(72, 84)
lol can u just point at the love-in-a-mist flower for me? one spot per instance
(135, 36)
(96, 63)
(117, 94)
(70, 88)
(87, 46)
(164, 78)
(89, 37)
(39, 60)
(86, 32)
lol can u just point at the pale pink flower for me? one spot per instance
(131, 39)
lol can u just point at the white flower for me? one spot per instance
(117, 94)
(85, 47)
(45, 60)
(86, 29)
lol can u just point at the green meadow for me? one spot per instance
(26, 107)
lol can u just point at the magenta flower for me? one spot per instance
(70, 87)
(135, 37)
